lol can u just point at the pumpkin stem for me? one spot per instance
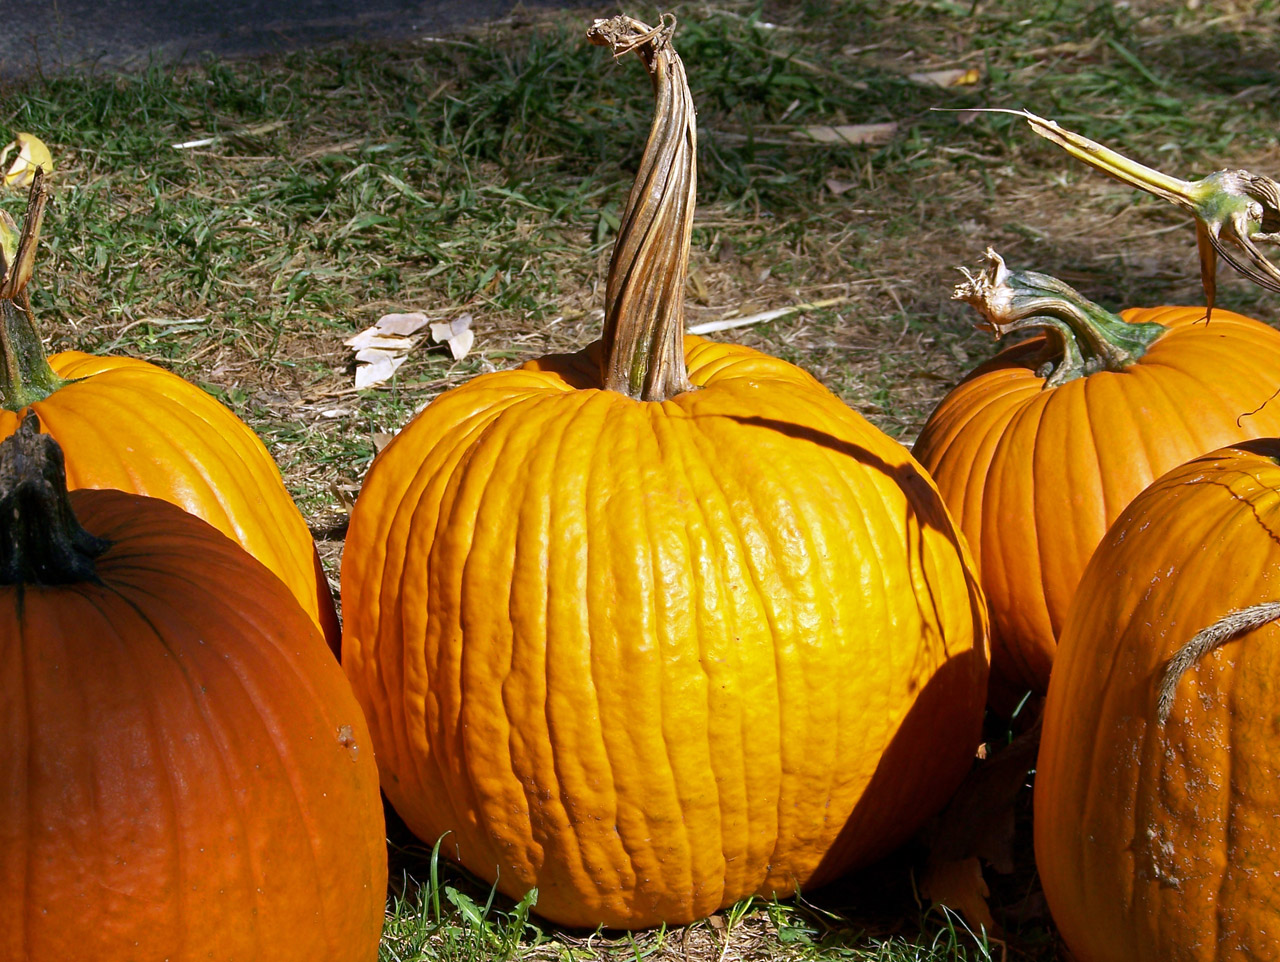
(25, 374)
(643, 336)
(41, 542)
(1215, 636)
(1084, 337)
(1235, 210)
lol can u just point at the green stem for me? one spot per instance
(41, 542)
(1236, 211)
(1084, 337)
(25, 374)
(643, 335)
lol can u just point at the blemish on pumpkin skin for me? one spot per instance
(347, 739)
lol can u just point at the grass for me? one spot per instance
(484, 172)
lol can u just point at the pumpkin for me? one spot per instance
(184, 773)
(1157, 793)
(660, 624)
(1038, 450)
(132, 426)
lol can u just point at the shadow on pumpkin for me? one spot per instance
(925, 510)
(913, 780)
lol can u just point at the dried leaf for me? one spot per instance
(343, 494)
(443, 331)
(378, 371)
(32, 155)
(838, 187)
(959, 77)
(960, 887)
(979, 819)
(367, 355)
(402, 324)
(372, 337)
(461, 343)
(697, 286)
(854, 134)
(978, 824)
(456, 333)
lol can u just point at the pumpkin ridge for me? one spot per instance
(642, 463)
(676, 428)
(199, 708)
(1066, 410)
(996, 418)
(996, 569)
(706, 557)
(598, 477)
(558, 478)
(276, 658)
(1103, 400)
(504, 441)
(544, 463)
(1249, 371)
(771, 582)
(1169, 402)
(393, 582)
(739, 512)
(130, 667)
(639, 467)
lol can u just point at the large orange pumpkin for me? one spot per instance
(132, 426)
(661, 624)
(1039, 449)
(1157, 795)
(184, 773)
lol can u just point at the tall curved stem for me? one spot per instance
(644, 297)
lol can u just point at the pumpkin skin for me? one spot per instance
(184, 773)
(1161, 841)
(1034, 474)
(132, 426)
(654, 657)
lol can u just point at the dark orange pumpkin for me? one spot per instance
(661, 624)
(132, 426)
(1039, 449)
(184, 773)
(1157, 795)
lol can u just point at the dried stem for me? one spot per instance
(644, 298)
(1215, 636)
(1084, 337)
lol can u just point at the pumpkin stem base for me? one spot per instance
(41, 542)
(1084, 337)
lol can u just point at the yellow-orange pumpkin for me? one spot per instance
(1159, 840)
(184, 773)
(132, 426)
(661, 624)
(1038, 450)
